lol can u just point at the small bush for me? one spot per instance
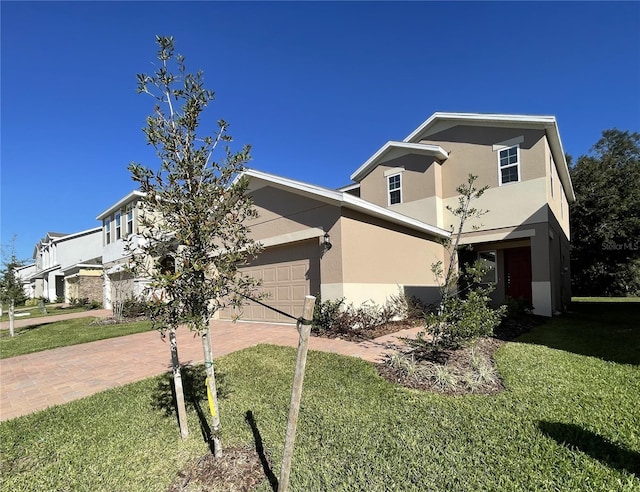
(336, 317)
(95, 305)
(134, 308)
(59, 299)
(31, 302)
(516, 308)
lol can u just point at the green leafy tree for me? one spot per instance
(195, 209)
(464, 312)
(605, 218)
(11, 290)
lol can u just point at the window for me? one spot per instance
(118, 224)
(107, 230)
(394, 184)
(489, 259)
(129, 212)
(509, 165)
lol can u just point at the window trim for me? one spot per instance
(129, 220)
(118, 221)
(107, 230)
(398, 189)
(516, 165)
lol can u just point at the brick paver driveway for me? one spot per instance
(35, 381)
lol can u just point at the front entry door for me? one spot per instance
(517, 263)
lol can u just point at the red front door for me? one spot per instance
(517, 264)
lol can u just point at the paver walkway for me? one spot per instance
(36, 381)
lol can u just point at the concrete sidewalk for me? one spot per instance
(36, 381)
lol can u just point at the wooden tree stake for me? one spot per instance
(296, 392)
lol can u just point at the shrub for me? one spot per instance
(134, 308)
(516, 308)
(31, 302)
(336, 317)
(462, 320)
(326, 314)
(95, 305)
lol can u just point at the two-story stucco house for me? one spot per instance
(120, 226)
(67, 266)
(384, 229)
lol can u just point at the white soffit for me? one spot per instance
(398, 149)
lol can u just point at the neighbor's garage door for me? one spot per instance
(288, 274)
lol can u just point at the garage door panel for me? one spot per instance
(285, 283)
(284, 273)
(299, 291)
(299, 272)
(268, 274)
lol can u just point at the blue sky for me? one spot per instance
(315, 88)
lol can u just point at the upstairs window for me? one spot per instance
(118, 226)
(395, 189)
(509, 165)
(107, 230)
(129, 211)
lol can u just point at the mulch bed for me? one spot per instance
(367, 334)
(459, 361)
(239, 470)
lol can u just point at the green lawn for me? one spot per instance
(35, 312)
(568, 420)
(61, 334)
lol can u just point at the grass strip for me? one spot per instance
(47, 336)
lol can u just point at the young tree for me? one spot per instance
(195, 211)
(464, 312)
(605, 218)
(11, 290)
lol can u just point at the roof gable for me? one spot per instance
(441, 121)
(393, 149)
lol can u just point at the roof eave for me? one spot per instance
(347, 200)
(435, 150)
(120, 203)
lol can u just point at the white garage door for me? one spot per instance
(288, 274)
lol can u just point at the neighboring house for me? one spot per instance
(120, 226)
(24, 273)
(57, 265)
(384, 228)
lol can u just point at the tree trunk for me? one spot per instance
(177, 385)
(12, 317)
(211, 387)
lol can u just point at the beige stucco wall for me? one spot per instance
(352, 267)
(471, 151)
(281, 212)
(509, 205)
(380, 259)
(556, 196)
(418, 175)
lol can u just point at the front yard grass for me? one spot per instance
(63, 333)
(35, 311)
(568, 420)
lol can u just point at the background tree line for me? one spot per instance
(605, 218)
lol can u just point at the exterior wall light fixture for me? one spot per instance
(327, 242)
